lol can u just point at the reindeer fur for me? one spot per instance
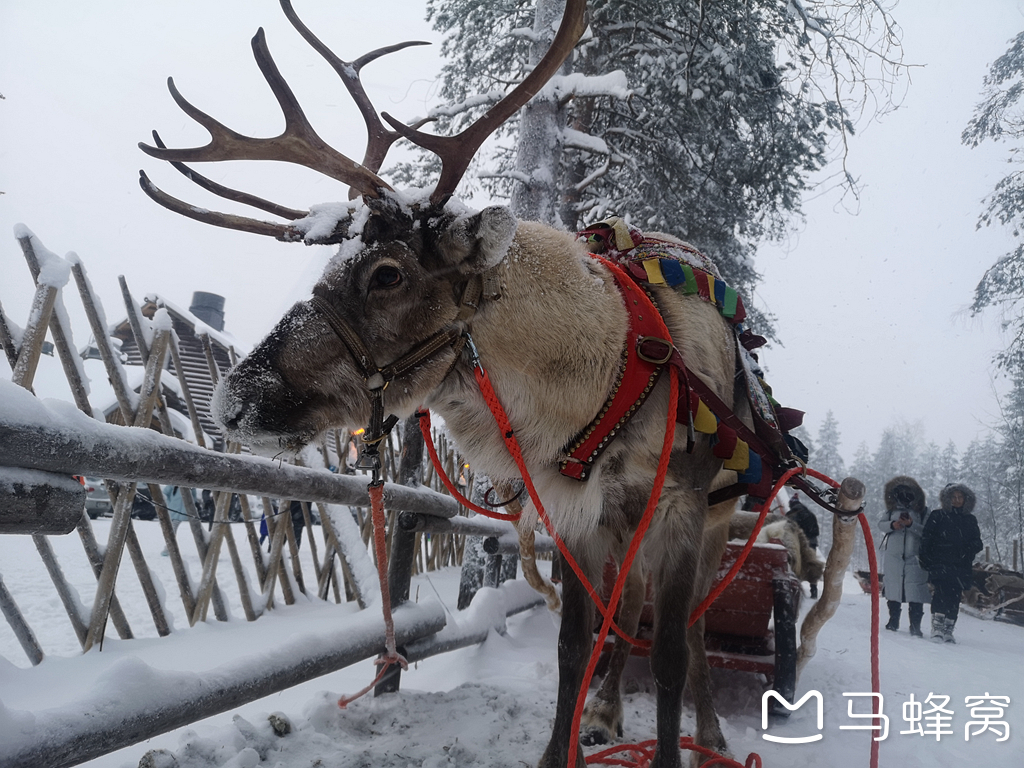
(803, 559)
(551, 345)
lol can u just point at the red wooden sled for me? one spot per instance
(752, 625)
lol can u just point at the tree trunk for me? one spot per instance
(535, 196)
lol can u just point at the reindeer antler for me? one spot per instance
(300, 144)
(456, 152)
(380, 138)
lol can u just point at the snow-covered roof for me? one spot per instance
(225, 339)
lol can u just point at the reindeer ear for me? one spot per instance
(477, 243)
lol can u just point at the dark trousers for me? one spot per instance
(946, 598)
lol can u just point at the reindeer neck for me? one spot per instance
(551, 346)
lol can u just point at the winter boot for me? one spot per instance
(938, 628)
(894, 616)
(947, 630)
(916, 614)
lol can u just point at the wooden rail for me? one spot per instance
(42, 441)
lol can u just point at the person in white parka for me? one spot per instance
(902, 524)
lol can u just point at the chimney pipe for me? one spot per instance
(208, 307)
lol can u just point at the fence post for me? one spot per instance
(21, 628)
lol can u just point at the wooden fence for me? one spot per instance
(40, 448)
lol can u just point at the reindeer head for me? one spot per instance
(391, 307)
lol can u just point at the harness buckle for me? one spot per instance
(473, 352)
(369, 460)
(653, 350)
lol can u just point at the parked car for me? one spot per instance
(97, 500)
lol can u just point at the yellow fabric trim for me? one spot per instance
(704, 420)
(654, 275)
(623, 240)
(740, 459)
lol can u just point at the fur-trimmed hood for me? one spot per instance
(946, 497)
(918, 505)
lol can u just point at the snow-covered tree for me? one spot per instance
(984, 472)
(826, 457)
(1000, 117)
(1010, 431)
(701, 119)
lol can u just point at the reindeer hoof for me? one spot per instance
(594, 735)
(600, 720)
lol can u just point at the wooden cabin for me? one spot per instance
(205, 316)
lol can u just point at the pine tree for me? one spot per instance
(949, 466)
(998, 117)
(983, 470)
(897, 454)
(826, 457)
(700, 119)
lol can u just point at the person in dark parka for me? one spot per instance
(902, 525)
(949, 543)
(298, 521)
(808, 522)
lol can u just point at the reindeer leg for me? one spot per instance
(673, 560)
(709, 731)
(669, 658)
(602, 718)
(575, 638)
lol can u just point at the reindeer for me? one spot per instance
(421, 289)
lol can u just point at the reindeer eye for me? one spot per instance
(386, 277)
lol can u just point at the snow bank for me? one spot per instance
(117, 697)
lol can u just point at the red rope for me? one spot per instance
(643, 753)
(508, 434)
(428, 440)
(391, 656)
(627, 562)
(876, 683)
(869, 542)
(496, 408)
(512, 444)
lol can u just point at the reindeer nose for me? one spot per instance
(227, 407)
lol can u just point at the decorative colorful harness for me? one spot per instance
(637, 263)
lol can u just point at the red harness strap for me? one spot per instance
(647, 333)
(649, 349)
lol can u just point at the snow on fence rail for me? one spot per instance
(42, 444)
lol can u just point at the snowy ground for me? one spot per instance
(491, 705)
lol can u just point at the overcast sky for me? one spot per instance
(870, 296)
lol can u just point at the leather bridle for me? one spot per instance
(378, 377)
